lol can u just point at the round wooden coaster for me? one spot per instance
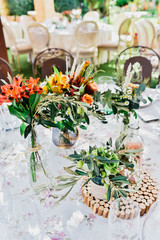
(145, 197)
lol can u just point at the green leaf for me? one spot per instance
(27, 130)
(83, 127)
(56, 70)
(65, 178)
(64, 196)
(65, 185)
(22, 128)
(75, 155)
(68, 170)
(33, 101)
(86, 118)
(81, 173)
(119, 178)
(109, 193)
(96, 169)
(115, 194)
(123, 193)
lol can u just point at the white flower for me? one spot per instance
(127, 103)
(76, 219)
(129, 91)
(129, 97)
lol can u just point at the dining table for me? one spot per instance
(70, 218)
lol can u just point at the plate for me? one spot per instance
(142, 105)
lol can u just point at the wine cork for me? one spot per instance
(121, 215)
(150, 202)
(100, 210)
(143, 189)
(89, 201)
(142, 209)
(127, 214)
(95, 207)
(92, 204)
(105, 212)
(86, 195)
(106, 205)
(139, 200)
(154, 191)
(147, 205)
(101, 203)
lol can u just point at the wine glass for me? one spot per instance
(105, 83)
(25, 220)
(156, 105)
(124, 220)
(151, 226)
(5, 200)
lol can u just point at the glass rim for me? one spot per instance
(138, 209)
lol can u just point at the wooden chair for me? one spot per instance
(45, 60)
(39, 37)
(86, 38)
(5, 68)
(148, 66)
(124, 39)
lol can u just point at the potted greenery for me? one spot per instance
(109, 171)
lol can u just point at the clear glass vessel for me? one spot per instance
(65, 138)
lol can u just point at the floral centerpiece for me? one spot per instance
(67, 14)
(114, 169)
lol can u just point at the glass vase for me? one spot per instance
(65, 138)
(39, 171)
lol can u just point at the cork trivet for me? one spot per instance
(145, 197)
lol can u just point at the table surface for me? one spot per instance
(58, 219)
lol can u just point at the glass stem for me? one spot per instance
(32, 157)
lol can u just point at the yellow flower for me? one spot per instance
(129, 91)
(58, 82)
(45, 89)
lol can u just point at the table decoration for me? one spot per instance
(74, 94)
(118, 227)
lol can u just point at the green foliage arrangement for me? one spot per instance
(104, 166)
(20, 7)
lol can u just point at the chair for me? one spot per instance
(91, 16)
(124, 39)
(25, 21)
(39, 37)
(5, 68)
(45, 60)
(146, 32)
(86, 38)
(158, 42)
(17, 47)
(145, 63)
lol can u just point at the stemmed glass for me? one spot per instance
(156, 105)
(5, 200)
(25, 220)
(124, 220)
(151, 227)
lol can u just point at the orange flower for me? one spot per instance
(2, 99)
(92, 87)
(133, 86)
(87, 99)
(17, 81)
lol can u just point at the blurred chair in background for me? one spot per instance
(5, 69)
(145, 63)
(125, 38)
(25, 21)
(39, 37)
(17, 47)
(45, 60)
(86, 38)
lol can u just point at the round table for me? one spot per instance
(71, 219)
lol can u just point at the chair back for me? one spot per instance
(5, 68)
(141, 34)
(145, 63)
(25, 21)
(91, 16)
(124, 29)
(86, 34)
(158, 42)
(150, 30)
(39, 36)
(10, 33)
(45, 60)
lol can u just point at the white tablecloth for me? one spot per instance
(56, 218)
